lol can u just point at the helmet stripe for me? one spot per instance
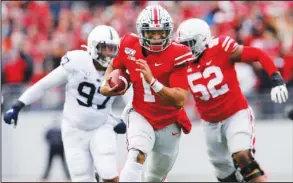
(155, 10)
(111, 35)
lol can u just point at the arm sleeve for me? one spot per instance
(55, 78)
(251, 54)
(178, 78)
(117, 62)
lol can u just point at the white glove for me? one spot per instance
(279, 94)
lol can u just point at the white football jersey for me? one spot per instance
(84, 106)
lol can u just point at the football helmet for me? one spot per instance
(194, 33)
(154, 26)
(102, 44)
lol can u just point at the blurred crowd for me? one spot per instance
(36, 34)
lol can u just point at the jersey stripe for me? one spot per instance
(225, 41)
(186, 60)
(228, 44)
(182, 56)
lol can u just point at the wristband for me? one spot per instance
(157, 86)
(18, 105)
(103, 83)
(153, 82)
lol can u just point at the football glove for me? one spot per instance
(11, 116)
(119, 125)
(120, 128)
(279, 92)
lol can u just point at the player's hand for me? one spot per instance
(11, 116)
(120, 128)
(279, 92)
(108, 91)
(145, 70)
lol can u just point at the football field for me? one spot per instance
(24, 151)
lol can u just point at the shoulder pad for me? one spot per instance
(183, 54)
(128, 39)
(73, 60)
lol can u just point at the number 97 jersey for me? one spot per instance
(84, 106)
(213, 82)
(163, 66)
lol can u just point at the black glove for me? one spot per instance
(11, 116)
(276, 79)
(120, 128)
(279, 92)
(290, 114)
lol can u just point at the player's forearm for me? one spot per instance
(52, 80)
(109, 69)
(251, 54)
(173, 96)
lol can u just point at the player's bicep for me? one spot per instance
(117, 62)
(231, 47)
(235, 56)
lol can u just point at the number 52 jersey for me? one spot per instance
(84, 106)
(213, 82)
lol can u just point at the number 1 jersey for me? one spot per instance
(164, 68)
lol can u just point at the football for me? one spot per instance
(119, 77)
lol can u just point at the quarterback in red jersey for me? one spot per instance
(226, 117)
(156, 115)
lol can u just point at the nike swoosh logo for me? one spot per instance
(175, 133)
(209, 63)
(156, 64)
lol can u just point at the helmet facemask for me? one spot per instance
(103, 52)
(155, 39)
(197, 44)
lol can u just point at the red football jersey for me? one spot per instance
(163, 66)
(213, 82)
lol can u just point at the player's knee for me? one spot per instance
(107, 166)
(136, 155)
(249, 168)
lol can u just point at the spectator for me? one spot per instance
(54, 140)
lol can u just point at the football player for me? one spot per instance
(87, 126)
(227, 119)
(155, 116)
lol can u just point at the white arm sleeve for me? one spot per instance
(55, 78)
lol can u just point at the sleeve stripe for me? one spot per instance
(228, 44)
(225, 41)
(186, 54)
(186, 60)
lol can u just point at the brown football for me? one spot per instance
(119, 77)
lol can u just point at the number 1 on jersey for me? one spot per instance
(148, 96)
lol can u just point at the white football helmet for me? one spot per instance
(194, 33)
(102, 44)
(154, 26)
